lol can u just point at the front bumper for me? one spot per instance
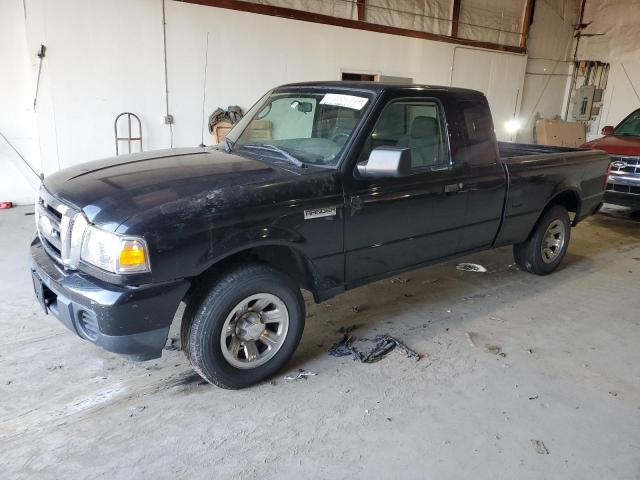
(621, 198)
(623, 188)
(132, 321)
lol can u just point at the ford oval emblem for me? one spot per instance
(619, 165)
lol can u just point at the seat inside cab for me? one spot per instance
(413, 125)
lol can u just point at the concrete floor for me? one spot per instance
(570, 377)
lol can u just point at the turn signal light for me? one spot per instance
(132, 254)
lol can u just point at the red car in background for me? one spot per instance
(622, 143)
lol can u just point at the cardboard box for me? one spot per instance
(220, 131)
(560, 133)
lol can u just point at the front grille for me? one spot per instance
(631, 164)
(54, 221)
(614, 187)
(49, 230)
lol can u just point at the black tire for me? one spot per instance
(208, 309)
(528, 254)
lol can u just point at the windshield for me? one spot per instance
(301, 127)
(630, 125)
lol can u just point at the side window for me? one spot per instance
(413, 125)
(477, 122)
(478, 134)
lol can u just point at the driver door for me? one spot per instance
(399, 223)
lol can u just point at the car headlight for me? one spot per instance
(114, 253)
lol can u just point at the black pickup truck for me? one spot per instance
(321, 186)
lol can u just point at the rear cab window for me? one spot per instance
(478, 133)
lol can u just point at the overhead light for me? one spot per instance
(512, 126)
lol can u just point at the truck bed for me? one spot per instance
(536, 173)
(509, 149)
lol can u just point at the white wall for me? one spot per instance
(104, 58)
(251, 53)
(17, 120)
(622, 95)
(500, 76)
(619, 45)
(550, 48)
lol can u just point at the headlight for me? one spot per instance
(115, 253)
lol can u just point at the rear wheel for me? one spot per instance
(547, 245)
(244, 327)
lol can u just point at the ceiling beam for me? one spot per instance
(455, 17)
(361, 8)
(527, 17)
(304, 16)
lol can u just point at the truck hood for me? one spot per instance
(111, 190)
(616, 145)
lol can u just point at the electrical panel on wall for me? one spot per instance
(589, 84)
(583, 103)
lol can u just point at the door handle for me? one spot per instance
(356, 204)
(453, 188)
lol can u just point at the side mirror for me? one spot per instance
(387, 162)
(608, 130)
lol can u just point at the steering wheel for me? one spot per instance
(340, 138)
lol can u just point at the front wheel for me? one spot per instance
(244, 327)
(547, 245)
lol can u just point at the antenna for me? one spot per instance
(204, 90)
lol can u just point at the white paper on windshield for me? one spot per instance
(348, 101)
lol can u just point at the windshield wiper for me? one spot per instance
(273, 148)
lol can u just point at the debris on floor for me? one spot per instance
(137, 409)
(369, 350)
(540, 447)
(301, 375)
(399, 280)
(471, 267)
(470, 338)
(495, 349)
(476, 296)
(348, 328)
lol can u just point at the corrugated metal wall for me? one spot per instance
(496, 21)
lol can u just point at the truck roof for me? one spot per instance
(379, 87)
